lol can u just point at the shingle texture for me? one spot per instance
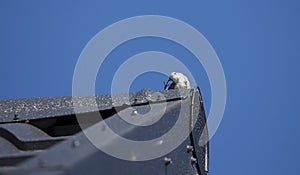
(42, 135)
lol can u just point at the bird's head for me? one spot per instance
(179, 81)
(174, 76)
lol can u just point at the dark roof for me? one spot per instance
(42, 135)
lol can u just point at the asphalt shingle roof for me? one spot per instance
(42, 135)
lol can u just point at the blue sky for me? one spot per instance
(257, 42)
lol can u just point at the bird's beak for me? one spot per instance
(166, 83)
(169, 80)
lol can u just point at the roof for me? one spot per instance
(43, 136)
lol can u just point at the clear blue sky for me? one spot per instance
(257, 42)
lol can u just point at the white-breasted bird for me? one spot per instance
(179, 81)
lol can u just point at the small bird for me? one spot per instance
(179, 81)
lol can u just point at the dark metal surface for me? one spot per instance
(45, 137)
(26, 136)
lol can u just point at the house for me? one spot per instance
(69, 135)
